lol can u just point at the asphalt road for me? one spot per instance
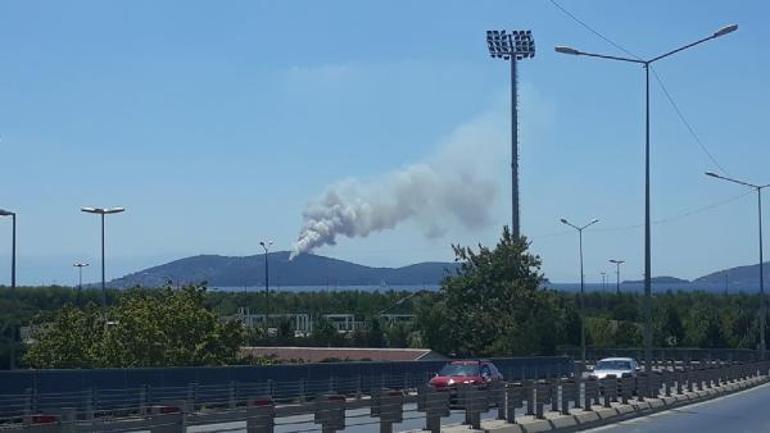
(743, 412)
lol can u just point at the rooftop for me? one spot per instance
(327, 354)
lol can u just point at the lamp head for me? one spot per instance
(566, 50)
(4, 212)
(725, 30)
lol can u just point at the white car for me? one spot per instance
(617, 367)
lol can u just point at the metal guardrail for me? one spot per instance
(333, 412)
(667, 353)
(72, 380)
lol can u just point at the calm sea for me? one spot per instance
(568, 287)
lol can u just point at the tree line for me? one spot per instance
(494, 305)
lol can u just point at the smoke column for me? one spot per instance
(457, 184)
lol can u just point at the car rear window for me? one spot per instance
(459, 370)
(613, 365)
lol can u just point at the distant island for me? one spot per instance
(303, 270)
(660, 280)
(319, 272)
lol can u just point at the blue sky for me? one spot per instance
(216, 123)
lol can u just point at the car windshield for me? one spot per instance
(459, 370)
(613, 365)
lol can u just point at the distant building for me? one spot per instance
(327, 354)
(300, 322)
(345, 323)
(397, 319)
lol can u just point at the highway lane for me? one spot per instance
(743, 412)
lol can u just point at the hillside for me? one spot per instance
(739, 276)
(304, 270)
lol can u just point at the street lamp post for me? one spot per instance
(647, 247)
(762, 302)
(617, 264)
(80, 267)
(4, 213)
(582, 287)
(14, 327)
(604, 280)
(266, 247)
(513, 46)
(102, 212)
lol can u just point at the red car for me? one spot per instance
(466, 372)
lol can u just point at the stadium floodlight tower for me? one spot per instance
(513, 46)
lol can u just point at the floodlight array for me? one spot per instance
(504, 45)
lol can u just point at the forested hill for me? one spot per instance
(740, 276)
(304, 270)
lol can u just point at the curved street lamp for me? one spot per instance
(102, 212)
(266, 246)
(582, 286)
(617, 264)
(762, 302)
(647, 248)
(5, 213)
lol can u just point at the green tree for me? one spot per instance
(398, 336)
(167, 328)
(375, 336)
(490, 306)
(673, 328)
(325, 334)
(628, 334)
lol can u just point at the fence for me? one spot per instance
(674, 353)
(332, 411)
(64, 381)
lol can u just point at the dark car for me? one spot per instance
(454, 373)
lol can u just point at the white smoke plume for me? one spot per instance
(459, 183)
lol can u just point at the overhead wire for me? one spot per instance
(592, 30)
(669, 97)
(687, 124)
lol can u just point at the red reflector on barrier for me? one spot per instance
(44, 419)
(262, 402)
(168, 409)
